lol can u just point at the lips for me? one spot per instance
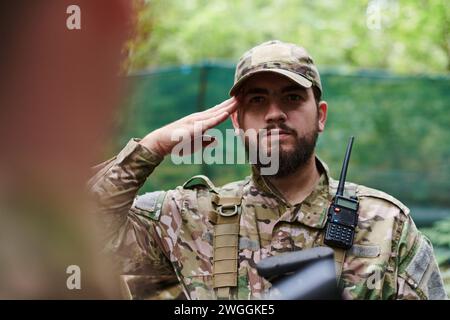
(280, 132)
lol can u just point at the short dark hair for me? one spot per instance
(317, 94)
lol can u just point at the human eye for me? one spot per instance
(256, 100)
(293, 97)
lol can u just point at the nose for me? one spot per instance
(275, 113)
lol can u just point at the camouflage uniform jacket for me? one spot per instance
(177, 238)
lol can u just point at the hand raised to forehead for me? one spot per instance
(160, 140)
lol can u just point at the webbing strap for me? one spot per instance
(226, 241)
(339, 257)
(225, 215)
(200, 180)
(226, 249)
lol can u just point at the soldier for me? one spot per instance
(210, 238)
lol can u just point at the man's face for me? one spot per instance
(276, 103)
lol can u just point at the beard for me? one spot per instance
(295, 158)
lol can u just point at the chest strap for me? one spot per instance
(225, 215)
(339, 257)
(226, 242)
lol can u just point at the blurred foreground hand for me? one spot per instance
(58, 95)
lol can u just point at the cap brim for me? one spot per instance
(291, 75)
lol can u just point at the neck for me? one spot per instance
(298, 185)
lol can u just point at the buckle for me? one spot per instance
(223, 214)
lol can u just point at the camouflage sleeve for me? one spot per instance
(418, 272)
(129, 236)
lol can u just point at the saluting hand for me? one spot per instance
(160, 140)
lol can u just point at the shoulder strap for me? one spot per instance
(226, 240)
(226, 219)
(200, 180)
(339, 257)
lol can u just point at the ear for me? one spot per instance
(323, 108)
(235, 120)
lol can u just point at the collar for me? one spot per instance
(313, 210)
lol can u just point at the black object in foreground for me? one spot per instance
(301, 275)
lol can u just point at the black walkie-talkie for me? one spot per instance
(343, 212)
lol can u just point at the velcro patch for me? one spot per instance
(149, 204)
(370, 251)
(419, 264)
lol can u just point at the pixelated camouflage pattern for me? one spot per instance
(272, 55)
(178, 242)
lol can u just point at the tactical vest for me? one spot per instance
(226, 219)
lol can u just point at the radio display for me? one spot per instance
(346, 203)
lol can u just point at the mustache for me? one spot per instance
(282, 127)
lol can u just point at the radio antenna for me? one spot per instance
(340, 189)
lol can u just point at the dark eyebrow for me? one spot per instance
(256, 91)
(290, 88)
(293, 88)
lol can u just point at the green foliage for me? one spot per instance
(414, 35)
(400, 125)
(439, 235)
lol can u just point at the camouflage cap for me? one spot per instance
(276, 56)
